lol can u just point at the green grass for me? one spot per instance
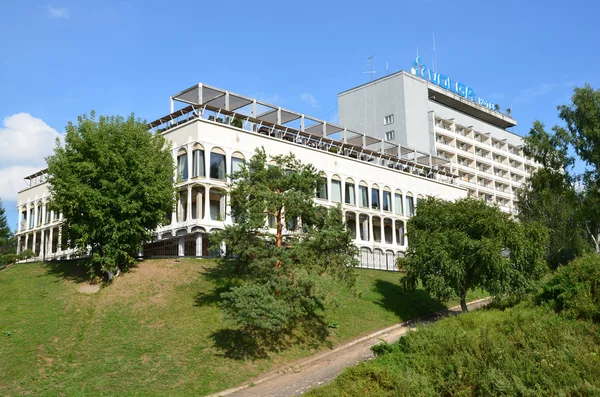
(154, 330)
(522, 351)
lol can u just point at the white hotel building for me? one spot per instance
(377, 179)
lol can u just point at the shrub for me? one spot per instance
(575, 289)
(527, 351)
(26, 254)
(8, 259)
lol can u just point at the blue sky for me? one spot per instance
(63, 58)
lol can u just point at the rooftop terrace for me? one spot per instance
(255, 116)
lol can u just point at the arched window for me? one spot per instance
(198, 162)
(363, 194)
(410, 205)
(237, 159)
(322, 188)
(398, 207)
(182, 165)
(218, 165)
(375, 197)
(349, 192)
(336, 189)
(387, 199)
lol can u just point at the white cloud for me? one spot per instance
(58, 12)
(311, 100)
(25, 142)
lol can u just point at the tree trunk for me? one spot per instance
(278, 236)
(463, 302)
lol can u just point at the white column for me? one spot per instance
(35, 216)
(27, 219)
(207, 204)
(19, 220)
(51, 237)
(189, 203)
(181, 246)
(34, 242)
(199, 244)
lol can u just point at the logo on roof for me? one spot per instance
(419, 69)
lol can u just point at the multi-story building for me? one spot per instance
(436, 115)
(377, 182)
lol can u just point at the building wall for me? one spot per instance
(189, 225)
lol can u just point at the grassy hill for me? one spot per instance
(157, 330)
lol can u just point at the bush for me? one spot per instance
(574, 289)
(26, 254)
(527, 351)
(8, 259)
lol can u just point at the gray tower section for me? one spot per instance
(402, 95)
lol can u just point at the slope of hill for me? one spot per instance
(157, 330)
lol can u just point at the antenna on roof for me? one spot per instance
(434, 55)
(371, 71)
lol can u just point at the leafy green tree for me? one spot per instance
(280, 240)
(582, 118)
(7, 239)
(113, 182)
(458, 246)
(549, 195)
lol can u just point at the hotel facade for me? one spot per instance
(443, 147)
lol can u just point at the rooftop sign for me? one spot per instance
(419, 69)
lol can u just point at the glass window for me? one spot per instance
(387, 201)
(398, 203)
(322, 189)
(336, 191)
(363, 196)
(349, 199)
(272, 221)
(410, 207)
(218, 168)
(182, 167)
(236, 164)
(198, 163)
(375, 198)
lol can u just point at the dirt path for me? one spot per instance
(298, 377)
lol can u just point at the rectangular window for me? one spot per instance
(349, 199)
(272, 221)
(322, 189)
(410, 207)
(198, 163)
(398, 203)
(336, 191)
(390, 135)
(389, 119)
(387, 201)
(236, 164)
(375, 198)
(363, 196)
(218, 168)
